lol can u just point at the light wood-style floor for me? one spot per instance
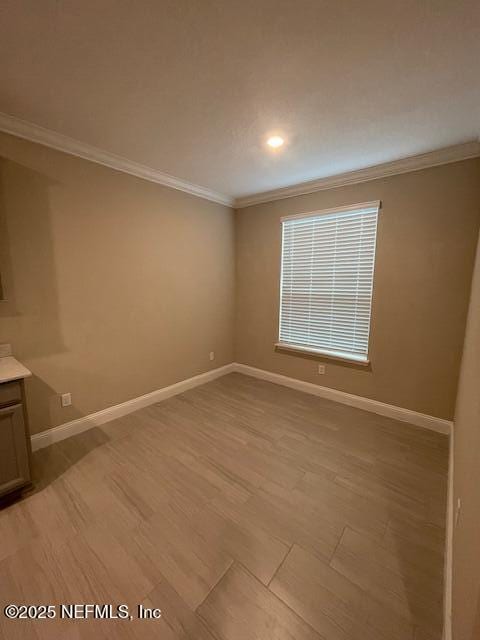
(243, 510)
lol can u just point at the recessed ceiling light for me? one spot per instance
(275, 142)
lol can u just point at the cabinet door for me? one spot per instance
(14, 465)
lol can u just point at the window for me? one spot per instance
(328, 260)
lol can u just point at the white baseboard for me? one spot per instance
(389, 410)
(49, 436)
(448, 571)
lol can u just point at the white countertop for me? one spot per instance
(11, 369)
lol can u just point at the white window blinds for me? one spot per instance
(327, 279)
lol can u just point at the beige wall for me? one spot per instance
(425, 250)
(466, 539)
(116, 286)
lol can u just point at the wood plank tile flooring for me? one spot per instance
(244, 511)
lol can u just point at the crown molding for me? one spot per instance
(47, 137)
(413, 163)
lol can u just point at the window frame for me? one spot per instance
(327, 353)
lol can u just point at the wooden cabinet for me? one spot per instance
(14, 439)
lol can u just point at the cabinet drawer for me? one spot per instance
(10, 393)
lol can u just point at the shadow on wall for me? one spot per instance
(29, 313)
(44, 404)
(29, 310)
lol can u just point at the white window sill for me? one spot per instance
(331, 355)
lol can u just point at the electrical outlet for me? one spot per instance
(457, 511)
(212, 355)
(321, 369)
(66, 399)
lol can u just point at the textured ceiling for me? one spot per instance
(192, 87)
